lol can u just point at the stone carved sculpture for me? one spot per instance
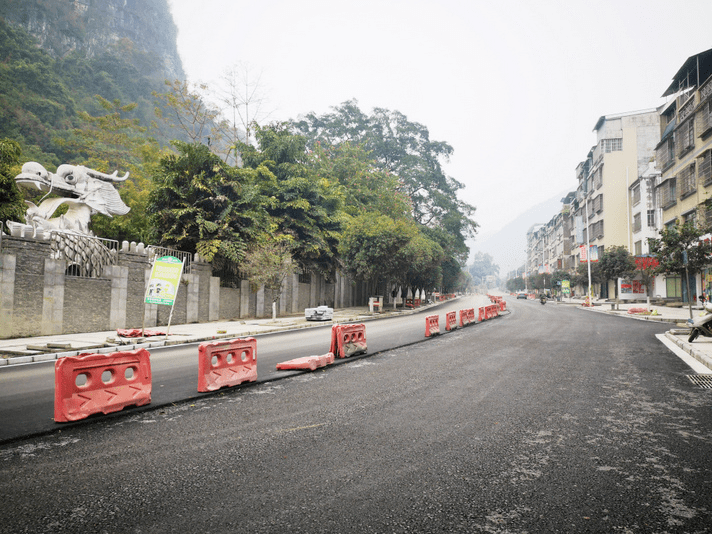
(85, 192)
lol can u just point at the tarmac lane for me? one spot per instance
(27, 391)
(551, 420)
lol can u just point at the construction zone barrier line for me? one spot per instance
(467, 317)
(99, 383)
(308, 362)
(348, 340)
(450, 321)
(502, 305)
(432, 325)
(226, 363)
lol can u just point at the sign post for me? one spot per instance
(163, 284)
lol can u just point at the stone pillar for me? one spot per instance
(150, 311)
(7, 293)
(192, 310)
(214, 299)
(312, 291)
(295, 293)
(283, 297)
(53, 297)
(260, 311)
(244, 299)
(119, 294)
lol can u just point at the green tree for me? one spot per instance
(366, 188)
(12, 207)
(402, 148)
(304, 204)
(422, 260)
(371, 248)
(616, 262)
(200, 204)
(268, 264)
(681, 251)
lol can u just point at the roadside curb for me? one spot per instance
(50, 356)
(689, 349)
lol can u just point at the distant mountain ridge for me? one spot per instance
(144, 28)
(508, 246)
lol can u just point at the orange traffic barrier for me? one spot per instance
(100, 383)
(432, 325)
(481, 314)
(226, 363)
(450, 321)
(308, 362)
(502, 305)
(467, 317)
(348, 340)
(408, 303)
(417, 303)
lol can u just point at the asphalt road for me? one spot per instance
(27, 391)
(552, 419)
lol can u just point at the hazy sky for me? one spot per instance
(515, 87)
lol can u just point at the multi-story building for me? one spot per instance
(625, 146)
(684, 155)
(644, 212)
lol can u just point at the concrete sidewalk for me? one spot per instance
(43, 348)
(700, 349)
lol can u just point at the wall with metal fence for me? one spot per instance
(41, 293)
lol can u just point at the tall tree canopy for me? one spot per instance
(200, 204)
(403, 148)
(304, 205)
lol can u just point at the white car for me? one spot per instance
(521, 295)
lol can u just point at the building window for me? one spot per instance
(636, 194)
(687, 181)
(705, 168)
(638, 245)
(704, 120)
(651, 218)
(665, 154)
(611, 145)
(667, 192)
(305, 278)
(673, 286)
(636, 223)
(690, 217)
(685, 136)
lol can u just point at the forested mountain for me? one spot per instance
(57, 55)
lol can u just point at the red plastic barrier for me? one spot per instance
(348, 340)
(450, 321)
(417, 303)
(502, 305)
(226, 363)
(138, 332)
(308, 362)
(482, 316)
(408, 303)
(432, 325)
(494, 310)
(99, 383)
(467, 317)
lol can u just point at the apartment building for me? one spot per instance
(644, 211)
(684, 156)
(625, 147)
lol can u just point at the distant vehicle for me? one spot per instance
(522, 295)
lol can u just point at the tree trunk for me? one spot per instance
(274, 310)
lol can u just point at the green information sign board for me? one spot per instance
(165, 278)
